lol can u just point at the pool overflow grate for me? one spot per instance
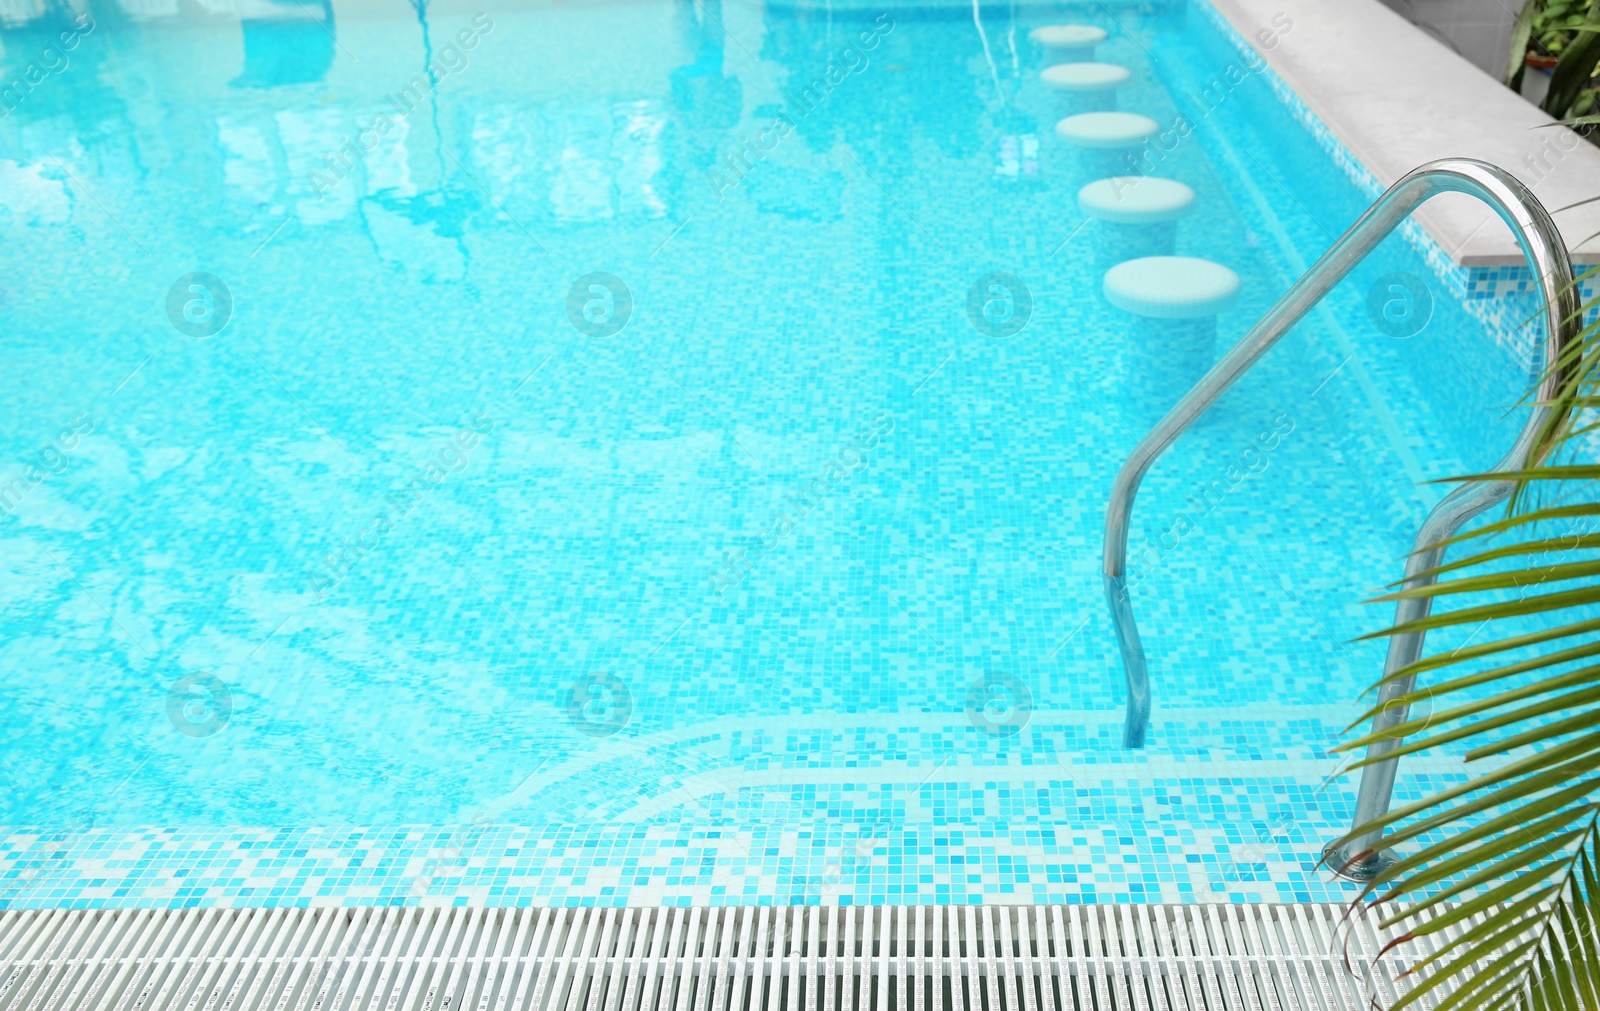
(813, 958)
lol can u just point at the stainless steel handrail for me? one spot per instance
(1547, 255)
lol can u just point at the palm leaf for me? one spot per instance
(1519, 43)
(1575, 67)
(1468, 653)
(1502, 877)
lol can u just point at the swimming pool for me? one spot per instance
(446, 466)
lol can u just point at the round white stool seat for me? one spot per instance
(1135, 200)
(1171, 287)
(1107, 130)
(1067, 36)
(1080, 77)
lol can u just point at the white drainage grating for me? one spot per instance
(918, 958)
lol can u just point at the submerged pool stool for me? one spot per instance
(1172, 342)
(1108, 143)
(1137, 215)
(1085, 87)
(1068, 42)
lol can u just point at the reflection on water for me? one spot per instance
(288, 42)
(44, 40)
(259, 110)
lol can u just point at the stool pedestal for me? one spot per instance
(1117, 243)
(1135, 216)
(1067, 43)
(1084, 87)
(1172, 337)
(1107, 143)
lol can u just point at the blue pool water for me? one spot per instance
(420, 581)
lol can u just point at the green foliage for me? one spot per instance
(1521, 35)
(1511, 856)
(1568, 30)
(1555, 23)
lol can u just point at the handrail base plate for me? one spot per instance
(1347, 868)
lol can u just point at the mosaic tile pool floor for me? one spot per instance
(409, 584)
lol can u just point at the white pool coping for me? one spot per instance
(1396, 98)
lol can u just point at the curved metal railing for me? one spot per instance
(1547, 255)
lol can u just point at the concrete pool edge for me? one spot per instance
(1394, 97)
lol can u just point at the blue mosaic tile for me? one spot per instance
(406, 587)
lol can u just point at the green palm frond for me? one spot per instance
(1505, 877)
(1521, 35)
